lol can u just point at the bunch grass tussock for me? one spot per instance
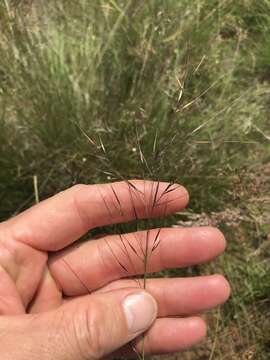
(177, 91)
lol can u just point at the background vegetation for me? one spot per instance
(172, 90)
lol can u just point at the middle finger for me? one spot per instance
(92, 265)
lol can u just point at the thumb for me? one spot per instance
(101, 323)
(86, 328)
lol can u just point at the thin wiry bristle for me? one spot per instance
(116, 258)
(156, 241)
(118, 201)
(76, 275)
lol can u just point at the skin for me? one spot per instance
(45, 275)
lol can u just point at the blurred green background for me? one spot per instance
(170, 90)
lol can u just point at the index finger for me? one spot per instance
(62, 219)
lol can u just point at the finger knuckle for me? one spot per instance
(89, 334)
(78, 187)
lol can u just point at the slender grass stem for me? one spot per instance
(144, 284)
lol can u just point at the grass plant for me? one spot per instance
(144, 243)
(171, 90)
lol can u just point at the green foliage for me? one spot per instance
(172, 90)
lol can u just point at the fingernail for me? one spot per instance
(140, 310)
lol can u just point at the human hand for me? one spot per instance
(63, 301)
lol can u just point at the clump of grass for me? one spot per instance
(140, 75)
(105, 67)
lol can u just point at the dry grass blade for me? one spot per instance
(155, 144)
(102, 145)
(92, 142)
(142, 157)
